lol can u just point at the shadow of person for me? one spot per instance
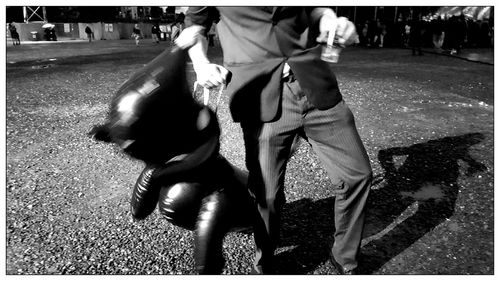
(418, 193)
(306, 235)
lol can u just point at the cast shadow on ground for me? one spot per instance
(417, 193)
(306, 232)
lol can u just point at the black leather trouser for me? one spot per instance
(196, 201)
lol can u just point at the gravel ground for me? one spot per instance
(427, 123)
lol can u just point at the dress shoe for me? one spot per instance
(341, 270)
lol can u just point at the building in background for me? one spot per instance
(378, 20)
(61, 14)
(357, 14)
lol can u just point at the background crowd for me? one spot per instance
(449, 34)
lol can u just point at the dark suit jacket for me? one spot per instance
(257, 42)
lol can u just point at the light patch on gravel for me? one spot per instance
(409, 212)
(426, 192)
(71, 110)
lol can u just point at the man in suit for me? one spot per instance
(280, 88)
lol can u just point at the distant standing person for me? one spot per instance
(406, 41)
(380, 33)
(437, 33)
(155, 33)
(455, 34)
(50, 33)
(89, 33)
(136, 34)
(416, 36)
(14, 35)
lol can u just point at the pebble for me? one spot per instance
(46, 133)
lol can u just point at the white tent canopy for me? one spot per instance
(48, 25)
(476, 13)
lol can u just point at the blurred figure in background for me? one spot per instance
(416, 36)
(155, 33)
(407, 32)
(50, 33)
(454, 35)
(88, 31)
(437, 33)
(14, 34)
(136, 34)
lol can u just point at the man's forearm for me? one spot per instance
(198, 52)
(192, 39)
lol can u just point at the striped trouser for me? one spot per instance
(334, 138)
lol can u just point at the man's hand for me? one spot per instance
(344, 30)
(210, 75)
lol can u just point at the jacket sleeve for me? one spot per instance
(203, 16)
(315, 14)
